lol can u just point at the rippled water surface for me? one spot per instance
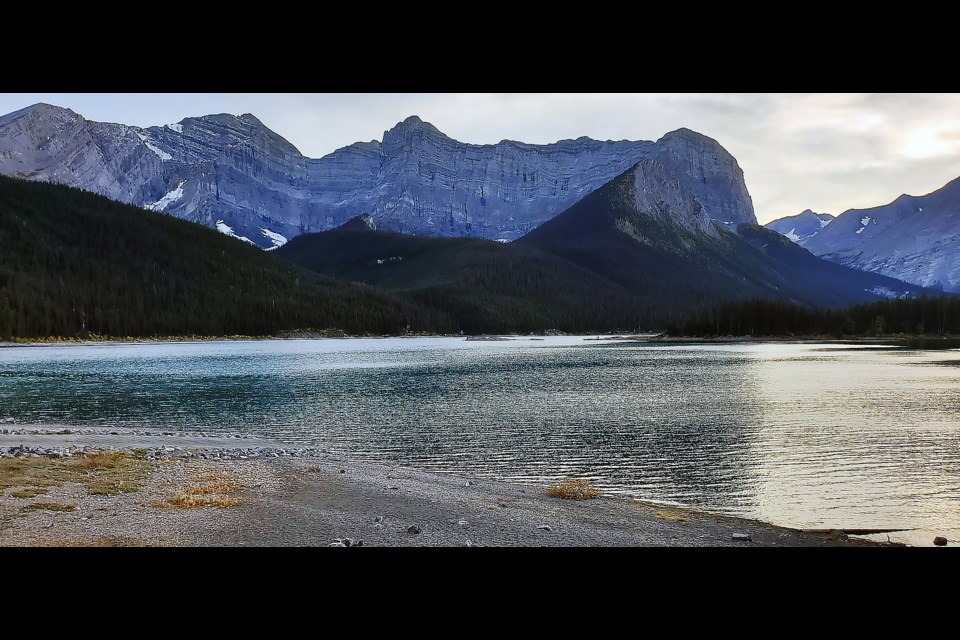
(805, 435)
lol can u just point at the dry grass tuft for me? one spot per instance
(28, 493)
(190, 501)
(316, 469)
(212, 489)
(574, 489)
(99, 460)
(48, 506)
(102, 473)
(216, 486)
(665, 512)
(111, 473)
(671, 514)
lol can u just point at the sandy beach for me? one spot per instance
(192, 490)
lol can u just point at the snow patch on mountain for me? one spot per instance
(168, 199)
(157, 150)
(884, 292)
(227, 230)
(277, 239)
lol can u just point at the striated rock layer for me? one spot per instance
(234, 174)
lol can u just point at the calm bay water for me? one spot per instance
(804, 435)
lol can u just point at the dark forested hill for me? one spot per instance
(486, 286)
(73, 263)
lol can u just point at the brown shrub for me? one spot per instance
(574, 489)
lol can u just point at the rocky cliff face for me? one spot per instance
(694, 181)
(663, 231)
(234, 174)
(914, 238)
(48, 143)
(801, 227)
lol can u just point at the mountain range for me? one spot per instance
(914, 238)
(233, 174)
(592, 235)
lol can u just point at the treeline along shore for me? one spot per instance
(931, 319)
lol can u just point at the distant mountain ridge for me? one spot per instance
(234, 174)
(914, 238)
(801, 227)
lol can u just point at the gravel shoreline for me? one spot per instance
(275, 494)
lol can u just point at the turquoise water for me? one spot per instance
(804, 435)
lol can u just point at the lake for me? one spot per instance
(803, 435)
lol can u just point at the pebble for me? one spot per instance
(348, 542)
(742, 537)
(343, 470)
(462, 523)
(336, 544)
(940, 541)
(413, 529)
(545, 527)
(468, 544)
(378, 519)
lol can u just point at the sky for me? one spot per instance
(826, 152)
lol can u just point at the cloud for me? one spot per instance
(828, 152)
